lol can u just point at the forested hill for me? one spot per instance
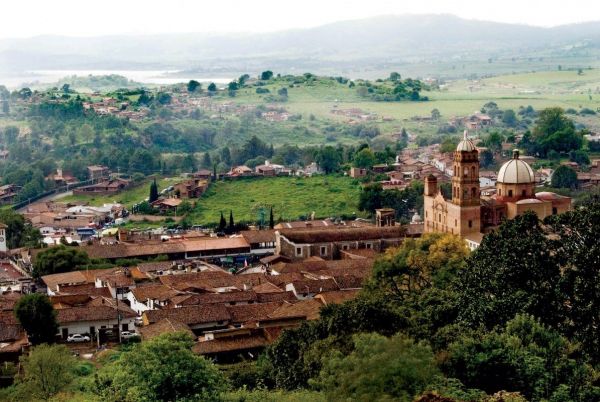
(372, 41)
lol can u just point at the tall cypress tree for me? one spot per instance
(222, 222)
(153, 192)
(271, 219)
(231, 223)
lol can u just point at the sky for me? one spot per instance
(26, 18)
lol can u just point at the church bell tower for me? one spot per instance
(465, 179)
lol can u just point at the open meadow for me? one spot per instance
(290, 197)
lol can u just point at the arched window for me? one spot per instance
(499, 191)
(466, 171)
(510, 193)
(473, 192)
(524, 193)
(473, 172)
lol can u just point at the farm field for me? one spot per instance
(291, 198)
(128, 197)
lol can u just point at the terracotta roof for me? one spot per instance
(231, 344)
(123, 250)
(210, 298)
(283, 279)
(266, 288)
(93, 313)
(251, 312)
(117, 279)
(302, 308)
(191, 315)
(155, 266)
(74, 277)
(153, 292)
(271, 297)
(337, 296)
(10, 333)
(305, 224)
(166, 325)
(343, 234)
(348, 281)
(8, 318)
(315, 286)
(259, 236)
(312, 266)
(8, 301)
(88, 289)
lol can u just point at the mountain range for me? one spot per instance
(376, 43)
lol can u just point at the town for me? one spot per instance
(389, 208)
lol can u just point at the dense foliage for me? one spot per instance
(37, 317)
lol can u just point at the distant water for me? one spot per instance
(157, 77)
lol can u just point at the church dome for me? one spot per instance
(466, 145)
(516, 171)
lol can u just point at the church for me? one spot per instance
(469, 214)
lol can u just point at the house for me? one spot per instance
(307, 289)
(262, 242)
(357, 173)
(193, 188)
(202, 174)
(151, 297)
(97, 172)
(240, 171)
(89, 319)
(61, 178)
(167, 204)
(8, 193)
(105, 187)
(164, 326)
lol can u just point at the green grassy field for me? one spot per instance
(290, 197)
(127, 197)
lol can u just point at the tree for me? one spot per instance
(153, 196)
(193, 85)
(283, 92)
(371, 197)
(434, 259)
(553, 130)
(222, 223)
(448, 145)
(212, 88)
(19, 231)
(266, 75)
(509, 117)
(231, 223)
(394, 76)
(47, 370)
(233, 86)
(243, 78)
(486, 158)
(435, 114)
(328, 159)
(164, 98)
(5, 107)
(59, 259)
(564, 177)
(271, 219)
(365, 158)
(37, 316)
(579, 157)
(379, 368)
(498, 282)
(162, 369)
(524, 356)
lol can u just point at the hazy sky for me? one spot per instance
(23, 18)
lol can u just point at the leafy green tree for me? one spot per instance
(46, 371)
(162, 369)
(37, 316)
(434, 259)
(266, 75)
(371, 197)
(553, 130)
(328, 159)
(206, 160)
(153, 196)
(448, 145)
(513, 271)
(494, 141)
(243, 78)
(59, 259)
(19, 231)
(164, 98)
(509, 118)
(231, 223)
(486, 158)
(365, 158)
(579, 157)
(435, 114)
(212, 88)
(394, 76)
(271, 219)
(564, 177)
(193, 85)
(379, 368)
(575, 243)
(233, 86)
(524, 356)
